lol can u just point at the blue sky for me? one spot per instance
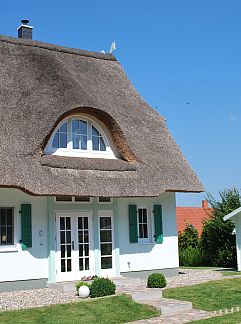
(184, 57)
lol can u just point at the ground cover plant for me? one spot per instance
(116, 309)
(210, 296)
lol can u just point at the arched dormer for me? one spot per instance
(81, 135)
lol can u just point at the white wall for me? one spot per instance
(31, 263)
(149, 256)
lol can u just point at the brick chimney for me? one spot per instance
(205, 204)
(24, 30)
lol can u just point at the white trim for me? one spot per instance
(232, 214)
(111, 271)
(149, 239)
(110, 153)
(27, 26)
(11, 247)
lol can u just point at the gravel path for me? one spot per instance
(44, 297)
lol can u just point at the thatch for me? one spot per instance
(40, 84)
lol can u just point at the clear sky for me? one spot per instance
(184, 57)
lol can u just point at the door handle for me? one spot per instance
(72, 245)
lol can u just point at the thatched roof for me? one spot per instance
(40, 84)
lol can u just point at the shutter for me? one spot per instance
(158, 224)
(133, 224)
(26, 224)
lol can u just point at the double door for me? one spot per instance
(74, 238)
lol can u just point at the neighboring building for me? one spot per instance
(88, 170)
(194, 216)
(235, 217)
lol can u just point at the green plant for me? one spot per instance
(192, 257)
(188, 238)
(102, 287)
(218, 240)
(156, 280)
(81, 283)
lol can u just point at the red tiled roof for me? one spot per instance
(192, 216)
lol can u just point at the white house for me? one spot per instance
(235, 217)
(88, 170)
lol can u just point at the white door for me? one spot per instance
(74, 248)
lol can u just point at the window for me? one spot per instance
(106, 242)
(80, 136)
(105, 200)
(6, 226)
(143, 225)
(78, 199)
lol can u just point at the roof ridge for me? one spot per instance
(56, 48)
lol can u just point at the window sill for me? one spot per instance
(146, 243)
(5, 249)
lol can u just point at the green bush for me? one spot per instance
(192, 257)
(102, 287)
(188, 238)
(81, 283)
(156, 280)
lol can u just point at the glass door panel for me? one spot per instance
(106, 242)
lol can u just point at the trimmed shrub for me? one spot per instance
(102, 287)
(81, 283)
(156, 280)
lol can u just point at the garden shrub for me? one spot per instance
(102, 287)
(188, 238)
(81, 283)
(156, 280)
(192, 257)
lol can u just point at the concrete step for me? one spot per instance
(63, 286)
(148, 293)
(168, 306)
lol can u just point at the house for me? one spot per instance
(194, 216)
(235, 217)
(88, 170)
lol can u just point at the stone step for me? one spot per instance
(168, 306)
(63, 286)
(148, 293)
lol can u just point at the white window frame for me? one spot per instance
(148, 239)
(111, 271)
(89, 152)
(11, 247)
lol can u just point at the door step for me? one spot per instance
(63, 286)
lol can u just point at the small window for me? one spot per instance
(106, 242)
(105, 200)
(6, 226)
(82, 199)
(143, 225)
(63, 198)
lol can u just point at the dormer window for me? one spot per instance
(81, 136)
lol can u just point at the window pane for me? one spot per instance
(68, 264)
(95, 132)
(95, 143)
(63, 198)
(62, 251)
(106, 262)
(106, 249)
(75, 126)
(105, 236)
(82, 198)
(55, 143)
(145, 231)
(102, 144)
(140, 231)
(68, 236)
(63, 265)
(83, 127)
(81, 250)
(63, 140)
(63, 128)
(76, 141)
(105, 222)
(81, 266)
(86, 249)
(105, 199)
(87, 264)
(83, 142)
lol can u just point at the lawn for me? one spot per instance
(116, 309)
(226, 319)
(209, 296)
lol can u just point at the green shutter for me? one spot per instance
(158, 224)
(26, 225)
(133, 224)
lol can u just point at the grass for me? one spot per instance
(226, 319)
(116, 309)
(209, 296)
(230, 273)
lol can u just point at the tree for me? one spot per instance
(218, 241)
